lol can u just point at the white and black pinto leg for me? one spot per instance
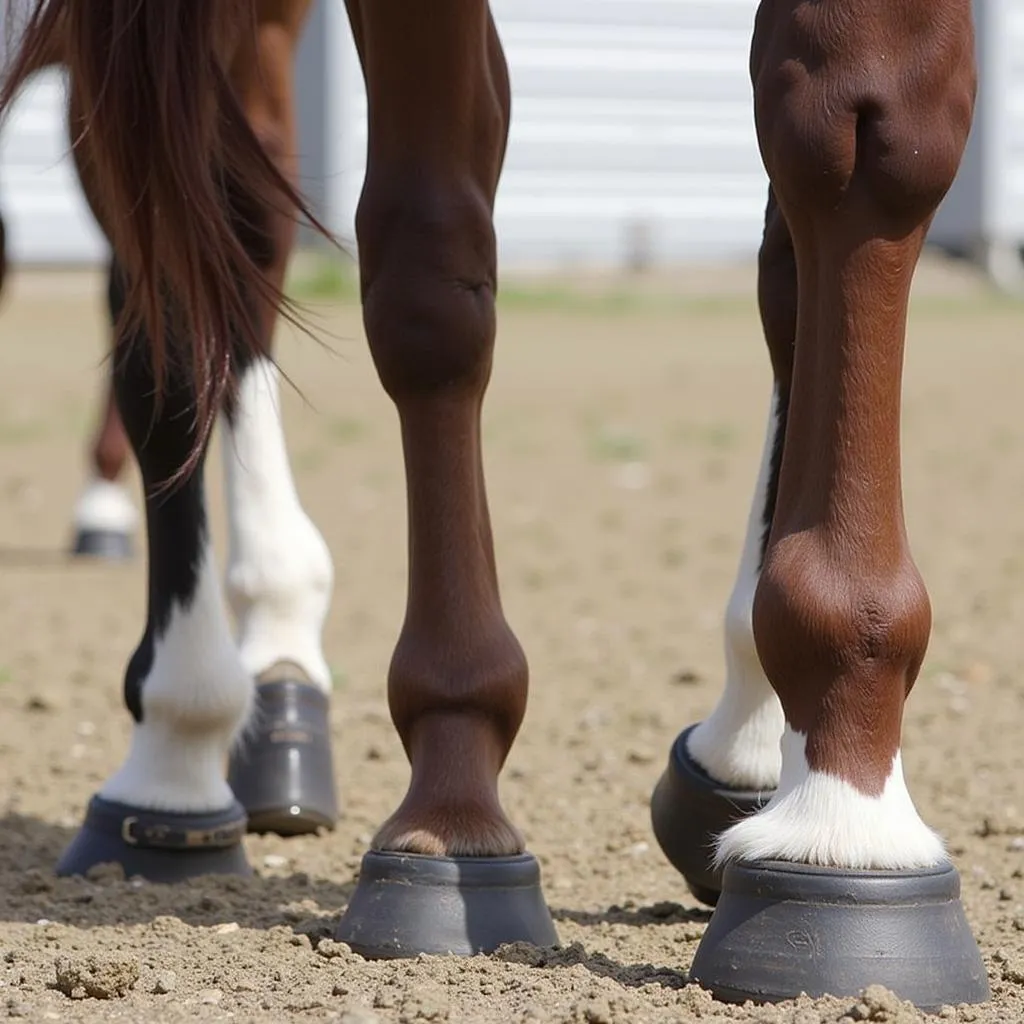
(168, 812)
(279, 581)
(726, 767)
(105, 518)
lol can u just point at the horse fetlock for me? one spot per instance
(450, 830)
(215, 702)
(452, 806)
(815, 605)
(841, 639)
(195, 701)
(186, 674)
(817, 817)
(171, 769)
(473, 685)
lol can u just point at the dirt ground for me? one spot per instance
(623, 430)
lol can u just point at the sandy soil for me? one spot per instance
(622, 443)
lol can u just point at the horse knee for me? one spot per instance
(877, 136)
(428, 288)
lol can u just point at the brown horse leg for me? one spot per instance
(439, 108)
(860, 151)
(725, 767)
(279, 575)
(105, 517)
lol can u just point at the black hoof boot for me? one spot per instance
(781, 929)
(406, 904)
(283, 772)
(109, 545)
(158, 845)
(689, 810)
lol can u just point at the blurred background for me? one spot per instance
(632, 143)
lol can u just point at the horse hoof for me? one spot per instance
(283, 774)
(407, 904)
(158, 845)
(109, 545)
(781, 929)
(689, 810)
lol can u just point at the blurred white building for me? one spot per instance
(632, 139)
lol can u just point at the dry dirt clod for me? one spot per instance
(357, 1014)
(106, 873)
(880, 1005)
(95, 977)
(166, 981)
(329, 949)
(425, 1002)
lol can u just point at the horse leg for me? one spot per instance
(837, 882)
(168, 813)
(725, 767)
(279, 572)
(105, 517)
(439, 108)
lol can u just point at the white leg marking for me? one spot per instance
(738, 743)
(280, 574)
(817, 818)
(105, 505)
(195, 700)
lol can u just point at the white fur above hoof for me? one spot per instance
(819, 819)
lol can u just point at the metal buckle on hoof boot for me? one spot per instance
(689, 810)
(283, 772)
(406, 904)
(111, 545)
(781, 929)
(158, 845)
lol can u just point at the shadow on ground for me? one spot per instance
(664, 913)
(627, 975)
(30, 891)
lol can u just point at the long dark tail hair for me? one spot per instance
(166, 144)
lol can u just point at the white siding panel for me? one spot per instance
(45, 213)
(632, 124)
(631, 121)
(1007, 213)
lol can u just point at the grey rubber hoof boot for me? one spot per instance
(158, 845)
(406, 904)
(689, 810)
(781, 929)
(110, 545)
(283, 773)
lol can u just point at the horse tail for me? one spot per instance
(170, 159)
